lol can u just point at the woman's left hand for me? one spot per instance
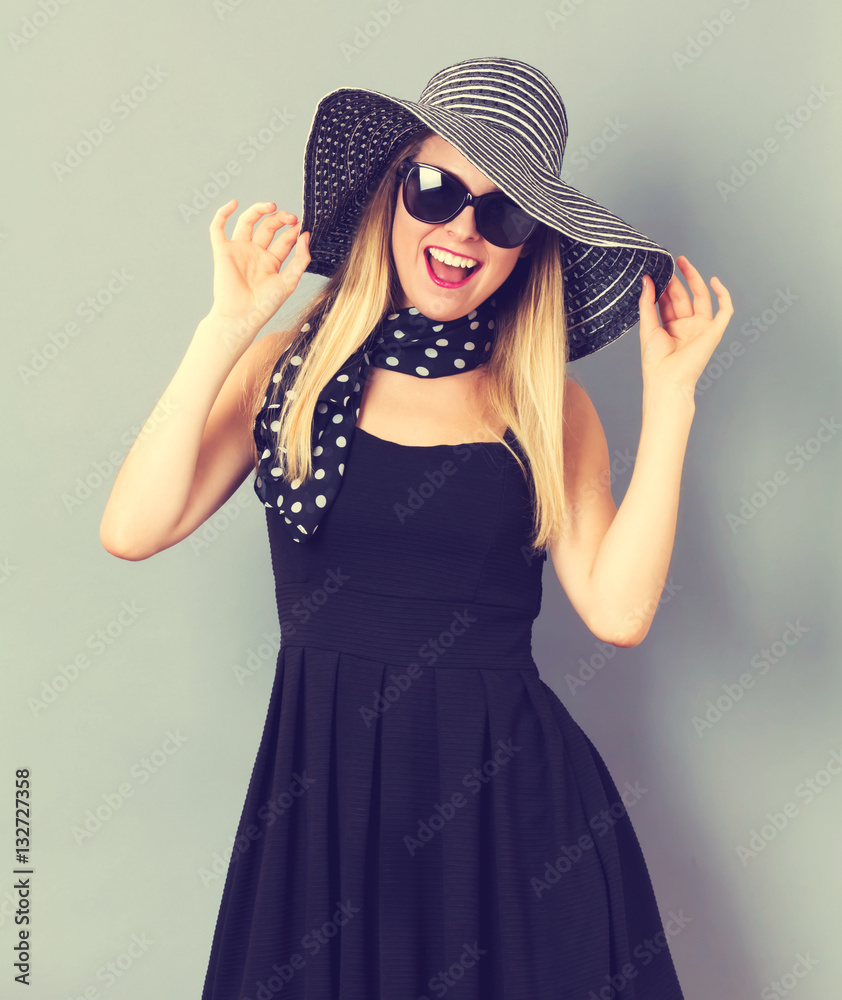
(678, 349)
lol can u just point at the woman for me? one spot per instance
(423, 813)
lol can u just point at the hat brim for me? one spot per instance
(354, 136)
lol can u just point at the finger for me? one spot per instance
(217, 224)
(701, 295)
(287, 279)
(665, 305)
(676, 298)
(286, 240)
(648, 315)
(244, 228)
(281, 249)
(301, 257)
(268, 227)
(726, 307)
(297, 264)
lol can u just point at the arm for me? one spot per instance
(195, 449)
(614, 563)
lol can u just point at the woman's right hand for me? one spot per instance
(248, 284)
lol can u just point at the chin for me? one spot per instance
(437, 304)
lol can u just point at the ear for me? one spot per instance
(525, 250)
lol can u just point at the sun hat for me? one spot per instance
(508, 120)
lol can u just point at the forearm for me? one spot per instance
(630, 569)
(152, 487)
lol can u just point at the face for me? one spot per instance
(412, 239)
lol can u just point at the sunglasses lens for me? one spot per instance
(430, 195)
(504, 223)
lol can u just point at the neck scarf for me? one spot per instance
(405, 341)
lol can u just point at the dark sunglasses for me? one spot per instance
(433, 195)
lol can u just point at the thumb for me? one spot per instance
(648, 316)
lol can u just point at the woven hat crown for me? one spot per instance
(508, 96)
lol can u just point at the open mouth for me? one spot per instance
(448, 275)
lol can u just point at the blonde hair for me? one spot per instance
(524, 377)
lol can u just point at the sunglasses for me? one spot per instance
(433, 195)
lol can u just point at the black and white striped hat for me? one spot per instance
(509, 121)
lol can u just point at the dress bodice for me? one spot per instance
(415, 535)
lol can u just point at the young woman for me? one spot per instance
(424, 814)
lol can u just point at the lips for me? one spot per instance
(441, 282)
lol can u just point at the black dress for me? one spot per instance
(424, 817)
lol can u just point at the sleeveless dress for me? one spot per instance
(424, 818)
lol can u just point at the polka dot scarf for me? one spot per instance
(405, 341)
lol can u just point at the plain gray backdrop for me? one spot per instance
(711, 127)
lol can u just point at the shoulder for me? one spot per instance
(582, 429)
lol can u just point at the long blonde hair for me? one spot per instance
(524, 377)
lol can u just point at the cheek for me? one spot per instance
(504, 262)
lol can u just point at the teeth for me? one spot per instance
(448, 258)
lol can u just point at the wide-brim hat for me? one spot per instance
(509, 121)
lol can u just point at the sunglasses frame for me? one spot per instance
(404, 172)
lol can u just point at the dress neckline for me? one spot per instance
(433, 447)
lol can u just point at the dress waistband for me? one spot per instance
(401, 630)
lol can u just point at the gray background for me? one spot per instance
(73, 405)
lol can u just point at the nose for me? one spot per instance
(463, 226)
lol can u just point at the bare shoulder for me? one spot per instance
(582, 429)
